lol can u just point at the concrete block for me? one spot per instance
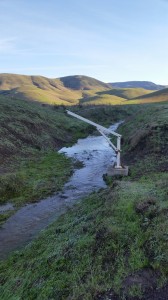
(112, 171)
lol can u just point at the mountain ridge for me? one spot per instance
(148, 85)
(76, 89)
(83, 82)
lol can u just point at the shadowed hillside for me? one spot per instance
(37, 88)
(72, 90)
(155, 96)
(137, 84)
(83, 83)
(127, 93)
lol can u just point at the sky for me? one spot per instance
(111, 40)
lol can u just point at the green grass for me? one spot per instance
(5, 215)
(127, 93)
(73, 90)
(147, 129)
(112, 235)
(103, 99)
(30, 135)
(95, 246)
(26, 127)
(37, 88)
(36, 178)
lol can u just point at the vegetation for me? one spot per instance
(129, 93)
(125, 96)
(114, 242)
(30, 168)
(158, 96)
(97, 246)
(37, 88)
(148, 85)
(27, 126)
(73, 90)
(83, 82)
(35, 178)
(103, 99)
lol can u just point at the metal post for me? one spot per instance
(118, 152)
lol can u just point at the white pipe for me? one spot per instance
(104, 129)
(108, 140)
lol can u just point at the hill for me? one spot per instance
(158, 96)
(29, 136)
(79, 82)
(114, 96)
(37, 88)
(61, 91)
(148, 85)
(73, 90)
(128, 93)
(126, 96)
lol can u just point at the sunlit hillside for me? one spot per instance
(158, 96)
(127, 93)
(72, 90)
(37, 88)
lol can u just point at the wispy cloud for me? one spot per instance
(7, 44)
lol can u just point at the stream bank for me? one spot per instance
(22, 227)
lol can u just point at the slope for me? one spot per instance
(102, 99)
(73, 90)
(113, 96)
(30, 167)
(148, 85)
(112, 245)
(127, 93)
(37, 88)
(158, 96)
(79, 82)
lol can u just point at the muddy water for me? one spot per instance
(25, 224)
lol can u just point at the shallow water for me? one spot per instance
(25, 224)
(6, 207)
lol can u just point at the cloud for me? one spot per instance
(7, 44)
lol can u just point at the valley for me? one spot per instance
(113, 243)
(75, 90)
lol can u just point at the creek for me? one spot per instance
(22, 227)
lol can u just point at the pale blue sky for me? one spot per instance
(111, 40)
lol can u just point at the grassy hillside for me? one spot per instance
(128, 93)
(114, 96)
(25, 126)
(102, 99)
(66, 90)
(113, 245)
(120, 97)
(37, 88)
(148, 85)
(30, 167)
(62, 91)
(78, 82)
(72, 90)
(158, 96)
